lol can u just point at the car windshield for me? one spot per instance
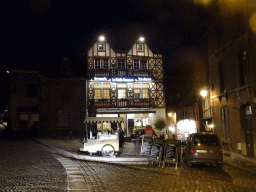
(206, 140)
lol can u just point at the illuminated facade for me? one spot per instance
(128, 84)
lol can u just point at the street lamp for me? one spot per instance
(203, 93)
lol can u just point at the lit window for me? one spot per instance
(121, 93)
(105, 93)
(106, 85)
(144, 93)
(145, 85)
(140, 47)
(136, 64)
(121, 63)
(121, 85)
(105, 63)
(97, 94)
(136, 93)
(136, 85)
(97, 63)
(97, 85)
(101, 47)
(144, 64)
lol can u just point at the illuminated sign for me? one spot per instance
(144, 79)
(122, 79)
(100, 79)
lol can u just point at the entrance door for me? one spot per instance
(130, 126)
(248, 130)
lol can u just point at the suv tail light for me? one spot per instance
(191, 150)
(220, 150)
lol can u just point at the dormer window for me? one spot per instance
(140, 47)
(101, 47)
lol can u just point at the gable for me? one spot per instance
(140, 49)
(101, 48)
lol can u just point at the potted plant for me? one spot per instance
(160, 124)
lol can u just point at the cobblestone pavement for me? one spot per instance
(26, 166)
(116, 177)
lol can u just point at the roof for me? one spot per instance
(104, 120)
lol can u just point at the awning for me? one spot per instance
(104, 120)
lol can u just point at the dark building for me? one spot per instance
(230, 106)
(46, 106)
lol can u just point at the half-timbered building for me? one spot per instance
(125, 84)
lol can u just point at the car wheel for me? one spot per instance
(107, 150)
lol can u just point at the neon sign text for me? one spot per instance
(123, 79)
(144, 79)
(100, 78)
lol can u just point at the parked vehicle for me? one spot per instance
(203, 148)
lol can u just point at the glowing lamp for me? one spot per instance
(203, 93)
(142, 39)
(102, 38)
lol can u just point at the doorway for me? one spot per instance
(248, 127)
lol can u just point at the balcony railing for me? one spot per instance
(120, 73)
(122, 103)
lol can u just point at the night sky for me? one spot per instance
(37, 34)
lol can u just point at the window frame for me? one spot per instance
(141, 88)
(104, 62)
(122, 62)
(96, 62)
(101, 89)
(225, 124)
(101, 48)
(242, 67)
(125, 93)
(142, 67)
(140, 47)
(137, 62)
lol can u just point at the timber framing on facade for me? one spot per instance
(126, 84)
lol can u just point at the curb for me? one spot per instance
(114, 159)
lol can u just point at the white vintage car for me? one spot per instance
(106, 144)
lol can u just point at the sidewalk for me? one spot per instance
(70, 147)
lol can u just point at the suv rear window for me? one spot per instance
(206, 140)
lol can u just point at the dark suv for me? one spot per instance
(203, 148)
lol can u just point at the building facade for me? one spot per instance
(231, 104)
(125, 84)
(46, 106)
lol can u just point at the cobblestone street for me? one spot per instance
(28, 166)
(112, 177)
